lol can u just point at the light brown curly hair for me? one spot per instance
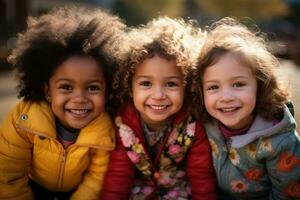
(171, 39)
(250, 49)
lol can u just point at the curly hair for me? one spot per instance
(52, 38)
(249, 48)
(168, 38)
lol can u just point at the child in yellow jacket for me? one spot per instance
(55, 143)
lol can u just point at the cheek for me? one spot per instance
(58, 101)
(250, 97)
(252, 102)
(138, 96)
(138, 101)
(208, 100)
(57, 106)
(99, 102)
(179, 98)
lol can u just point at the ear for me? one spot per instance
(47, 92)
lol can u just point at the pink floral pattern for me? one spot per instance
(174, 149)
(169, 175)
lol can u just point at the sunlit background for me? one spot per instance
(280, 19)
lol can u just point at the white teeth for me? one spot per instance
(228, 109)
(78, 111)
(157, 107)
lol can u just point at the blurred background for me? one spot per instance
(280, 19)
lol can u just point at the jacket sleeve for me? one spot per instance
(283, 165)
(200, 169)
(92, 181)
(15, 156)
(119, 178)
(91, 184)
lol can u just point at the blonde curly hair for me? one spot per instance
(250, 49)
(168, 38)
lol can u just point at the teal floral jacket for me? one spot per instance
(263, 164)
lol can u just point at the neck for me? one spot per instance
(156, 126)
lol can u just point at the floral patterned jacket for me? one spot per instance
(181, 170)
(263, 164)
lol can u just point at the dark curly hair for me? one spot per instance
(250, 48)
(64, 32)
(171, 39)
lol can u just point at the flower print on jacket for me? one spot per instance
(251, 149)
(234, 156)
(214, 147)
(253, 174)
(133, 156)
(135, 151)
(266, 145)
(287, 162)
(169, 175)
(293, 189)
(127, 135)
(191, 129)
(239, 185)
(174, 149)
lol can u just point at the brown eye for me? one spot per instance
(238, 84)
(93, 88)
(213, 87)
(65, 87)
(172, 84)
(145, 84)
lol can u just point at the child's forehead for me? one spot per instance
(79, 65)
(157, 68)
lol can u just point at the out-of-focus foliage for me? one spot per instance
(140, 11)
(255, 9)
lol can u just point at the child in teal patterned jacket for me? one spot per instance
(249, 122)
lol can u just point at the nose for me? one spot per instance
(158, 93)
(79, 96)
(227, 95)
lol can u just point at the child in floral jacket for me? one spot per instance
(162, 151)
(249, 121)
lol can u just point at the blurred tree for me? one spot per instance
(260, 10)
(140, 11)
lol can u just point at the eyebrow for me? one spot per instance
(168, 77)
(89, 81)
(232, 78)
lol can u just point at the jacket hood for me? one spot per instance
(259, 128)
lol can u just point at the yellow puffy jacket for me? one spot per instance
(29, 148)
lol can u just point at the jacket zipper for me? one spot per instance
(61, 170)
(59, 184)
(63, 156)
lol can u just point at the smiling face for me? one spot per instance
(229, 90)
(77, 92)
(157, 90)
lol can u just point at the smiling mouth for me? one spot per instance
(158, 107)
(78, 112)
(228, 110)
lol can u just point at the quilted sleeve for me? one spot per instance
(15, 157)
(119, 178)
(200, 168)
(283, 165)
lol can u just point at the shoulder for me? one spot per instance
(21, 110)
(103, 122)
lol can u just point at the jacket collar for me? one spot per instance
(38, 119)
(259, 128)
